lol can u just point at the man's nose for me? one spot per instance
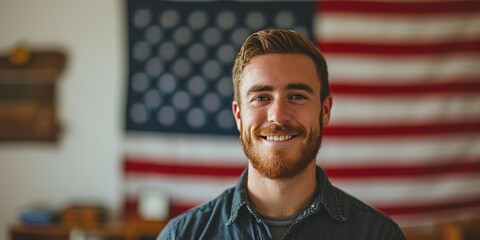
(279, 112)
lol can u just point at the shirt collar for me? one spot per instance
(239, 197)
(326, 196)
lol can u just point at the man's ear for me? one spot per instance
(236, 114)
(327, 109)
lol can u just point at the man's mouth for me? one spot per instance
(278, 138)
(275, 133)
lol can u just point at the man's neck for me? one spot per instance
(284, 197)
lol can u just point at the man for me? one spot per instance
(281, 103)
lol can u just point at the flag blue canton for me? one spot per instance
(181, 55)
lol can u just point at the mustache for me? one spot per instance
(271, 128)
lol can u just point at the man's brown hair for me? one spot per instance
(278, 41)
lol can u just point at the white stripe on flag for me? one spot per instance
(414, 190)
(397, 28)
(421, 108)
(402, 70)
(204, 150)
(406, 151)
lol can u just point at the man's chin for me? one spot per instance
(279, 167)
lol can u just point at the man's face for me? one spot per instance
(280, 115)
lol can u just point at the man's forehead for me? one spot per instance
(287, 71)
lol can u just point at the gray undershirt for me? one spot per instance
(279, 225)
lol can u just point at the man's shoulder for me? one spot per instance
(344, 207)
(200, 218)
(354, 206)
(365, 216)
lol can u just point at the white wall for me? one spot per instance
(86, 164)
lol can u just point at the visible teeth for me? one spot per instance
(278, 138)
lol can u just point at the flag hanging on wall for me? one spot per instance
(405, 77)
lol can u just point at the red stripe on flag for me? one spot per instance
(146, 165)
(386, 171)
(471, 126)
(453, 86)
(351, 48)
(399, 7)
(149, 166)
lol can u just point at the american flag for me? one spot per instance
(405, 77)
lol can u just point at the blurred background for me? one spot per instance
(85, 163)
(143, 106)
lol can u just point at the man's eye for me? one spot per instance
(297, 96)
(260, 98)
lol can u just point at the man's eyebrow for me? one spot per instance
(259, 88)
(299, 86)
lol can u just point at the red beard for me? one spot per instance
(275, 165)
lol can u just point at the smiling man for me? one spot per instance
(282, 102)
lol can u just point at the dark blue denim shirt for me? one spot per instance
(332, 215)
